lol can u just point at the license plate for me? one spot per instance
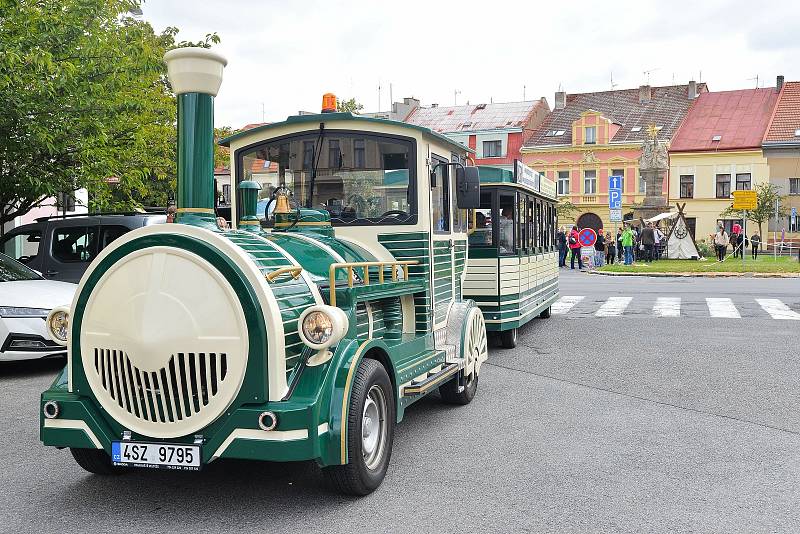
(156, 455)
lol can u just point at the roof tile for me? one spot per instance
(786, 117)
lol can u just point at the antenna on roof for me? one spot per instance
(523, 93)
(456, 92)
(647, 73)
(756, 80)
(379, 96)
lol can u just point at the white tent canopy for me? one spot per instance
(660, 216)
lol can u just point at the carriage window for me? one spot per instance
(531, 223)
(440, 209)
(358, 178)
(506, 209)
(480, 234)
(522, 223)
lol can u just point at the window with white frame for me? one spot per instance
(589, 182)
(794, 186)
(743, 181)
(492, 149)
(591, 135)
(723, 186)
(563, 183)
(687, 186)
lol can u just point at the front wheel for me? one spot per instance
(370, 432)
(96, 461)
(546, 313)
(508, 338)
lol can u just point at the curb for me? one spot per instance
(701, 275)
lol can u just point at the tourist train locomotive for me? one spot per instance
(304, 337)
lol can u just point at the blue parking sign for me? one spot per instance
(615, 192)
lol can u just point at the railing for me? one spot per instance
(366, 265)
(589, 199)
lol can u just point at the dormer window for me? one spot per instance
(590, 137)
(636, 129)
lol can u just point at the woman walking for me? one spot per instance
(721, 241)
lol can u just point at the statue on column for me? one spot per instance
(653, 166)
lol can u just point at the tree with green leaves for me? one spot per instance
(766, 196)
(566, 209)
(85, 97)
(351, 106)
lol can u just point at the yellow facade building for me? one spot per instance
(717, 150)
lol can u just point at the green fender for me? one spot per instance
(345, 362)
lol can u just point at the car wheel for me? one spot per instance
(96, 461)
(508, 338)
(546, 312)
(461, 389)
(370, 432)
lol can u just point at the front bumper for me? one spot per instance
(298, 435)
(18, 333)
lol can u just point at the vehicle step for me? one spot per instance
(432, 381)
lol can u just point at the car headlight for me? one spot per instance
(58, 324)
(14, 312)
(322, 326)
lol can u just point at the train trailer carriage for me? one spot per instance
(304, 336)
(512, 270)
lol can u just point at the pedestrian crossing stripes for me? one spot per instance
(564, 305)
(613, 306)
(714, 307)
(719, 307)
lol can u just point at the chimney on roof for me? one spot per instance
(692, 90)
(434, 105)
(402, 110)
(779, 83)
(561, 100)
(645, 94)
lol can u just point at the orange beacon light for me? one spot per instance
(329, 103)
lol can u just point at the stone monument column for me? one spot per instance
(653, 167)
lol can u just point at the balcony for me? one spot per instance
(589, 199)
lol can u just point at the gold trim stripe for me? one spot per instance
(303, 223)
(346, 397)
(195, 210)
(249, 223)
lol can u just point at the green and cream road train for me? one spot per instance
(304, 332)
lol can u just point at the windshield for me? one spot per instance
(358, 178)
(13, 271)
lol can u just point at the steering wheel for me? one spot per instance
(285, 190)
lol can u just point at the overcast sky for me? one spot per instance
(285, 55)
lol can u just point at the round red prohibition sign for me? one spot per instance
(587, 237)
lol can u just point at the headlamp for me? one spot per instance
(322, 326)
(58, 324)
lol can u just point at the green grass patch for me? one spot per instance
(764, 264)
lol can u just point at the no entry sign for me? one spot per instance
(587, 237)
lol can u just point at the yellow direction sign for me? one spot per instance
(744, 200)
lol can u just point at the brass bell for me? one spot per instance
(282, 203)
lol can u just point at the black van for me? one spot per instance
(61, 248)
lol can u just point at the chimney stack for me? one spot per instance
(779, 83)
(561, 100)
(645, 94)
(692, 91)
(195, 75)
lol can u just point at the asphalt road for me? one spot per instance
(628, 423)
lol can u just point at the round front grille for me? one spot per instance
(164, 342)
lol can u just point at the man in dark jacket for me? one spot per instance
(561, 239)
(648, 240)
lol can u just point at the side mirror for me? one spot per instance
(468, 188)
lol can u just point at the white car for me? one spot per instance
(25, 300)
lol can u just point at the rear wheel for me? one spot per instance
(508, 338)
(370, 432)
(96, 461)
(462, 388)
(546, 312)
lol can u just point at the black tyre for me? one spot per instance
(451, 395)
(96, 461)
(370, 432)
(546, 313)
(508, 338)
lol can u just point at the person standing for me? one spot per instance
(659, 246)
(561, 239)
(648, 240)
(755, 243)
(721, 240)
(619, 244)
(611, 249)
(599, 249)
(574, 249)
(627, 244)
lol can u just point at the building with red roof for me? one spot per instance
(781, 145)
(589, 137)
(717, 150)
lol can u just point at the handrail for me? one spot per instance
(294, 271)
(366, 265)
